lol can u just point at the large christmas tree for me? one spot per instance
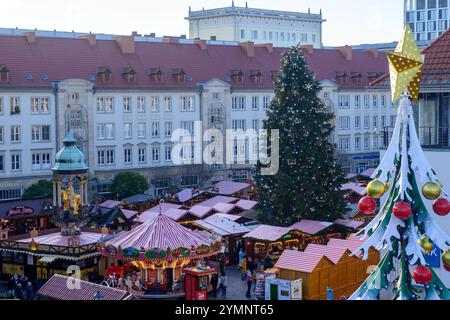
(404, 230)
(308, 183)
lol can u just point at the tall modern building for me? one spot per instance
(281, 28)
(428, 19)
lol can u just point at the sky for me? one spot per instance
(348, 21)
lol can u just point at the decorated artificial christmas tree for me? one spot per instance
(410, 191)
(309, 179)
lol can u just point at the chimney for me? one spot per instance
(91, 38)
(308, 48)
(373, 52)
(126, 44)
(346, 51)
(248, 47)
(202, 44)
(31, 36)
(268, 46)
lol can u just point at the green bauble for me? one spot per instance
(446, 257)
(375, 189)
(431, 190)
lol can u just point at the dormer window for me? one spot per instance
(156, 75)
(179, 75)
(129, 75)
(341, 77)
(356, 77)
(104, 74)
(256, 76)
(373, 76)
(237, 76)
(4, 73)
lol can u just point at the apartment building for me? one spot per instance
(123, 96)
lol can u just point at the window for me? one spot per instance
(264, 35)
(127, 130)
(366, 101)
(105, 104)
(155, 154)
(105, 157)
(366, 122)
(242, 34)
(141, 104)
(357, 102)
(35, 161)
(383, 121)
(40, 161)
(2, 163)
(127, 155)
(168, 153)
(10, 194)
(266, 102)
(344, 123)
(126, 104)
(393, 120)
(383, 101)
(357, 143)
(155, 129)
(216, 96)
(142, 155)
(40, 105)
(255, 103)
(187, 104)
(15, 162)
(168, 128)
(375, 101)
(375, 122)
(2, 139)
(40, 133)
(188, 126)
(142, 130)
(304, 37)
(357, 122)
(255, 125)
(254, 34)
(238, 103)
(344, 101)
(366, 142)
(1, 105)
(294, 37)
(344, 143)
(270, 35)
(167, 104)
(189, 181)
(375, 142)
(15, 134)
(238, 125)
(105, 131)
(15, 105)
(155, 104)
(282, 36)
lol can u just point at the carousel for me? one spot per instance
(158, 253)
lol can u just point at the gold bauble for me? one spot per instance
(446, 257)
(375, 189)
(431, 190)
(426, 244)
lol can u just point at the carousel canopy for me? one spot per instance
(160, 232)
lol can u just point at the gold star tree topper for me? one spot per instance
(406, 65)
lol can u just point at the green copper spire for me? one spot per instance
(70, 158)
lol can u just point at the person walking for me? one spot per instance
(18, 292)
(214, 283)
(29, 293)
(223, 284)
(249, 278)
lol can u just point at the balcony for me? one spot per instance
(430, 137)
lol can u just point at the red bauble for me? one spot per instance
(422, 275)
(402, 210)
(446, 268)
(367, 205)
(441, 206)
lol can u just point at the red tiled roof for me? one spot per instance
(300, 261)
(56, 288)
(64, 58)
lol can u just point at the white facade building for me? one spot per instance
(281, 28)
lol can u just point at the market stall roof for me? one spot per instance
(130, 214)
(219, 215)
(333, 253)
(267, 233)
(349, 223)
(229, 226)
(300, 261)
(246, 204)
(310, 227)
(112, 204)
(187, 194)
(17, 209)
(224, 207)
(160, 232)
(352, 186)
(229, 187)
(57, 239)
(56, 288)
(138, 198)
(200, 211)
(352, 245)
(217, 199)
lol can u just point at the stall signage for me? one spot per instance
(18, 210)
(433, 258)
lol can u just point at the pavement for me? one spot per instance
(236, 289)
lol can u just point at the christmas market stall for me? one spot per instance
(158, 251)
